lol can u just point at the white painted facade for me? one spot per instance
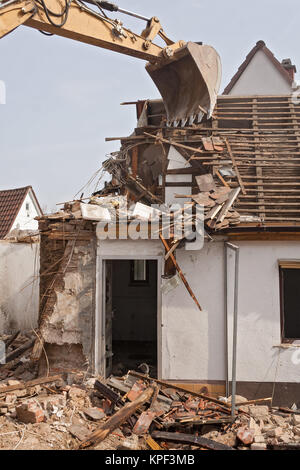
(261, 77)
(19, 286)
(28, 211)
(191, 343)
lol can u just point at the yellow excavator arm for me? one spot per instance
(186, 74)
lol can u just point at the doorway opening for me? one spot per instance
(131, 316)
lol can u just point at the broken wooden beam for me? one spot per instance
(228, 204)
(222, 405)
(108, 393)
(12, 339)
(29, 384)
(17, 353)
(255, 402)
(222, 179)
(180, 272)
(116, 420)
(152, 444)
(172, 142)
(234, 164)
(190, 439)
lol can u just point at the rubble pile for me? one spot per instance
(133, 412)
(15, 353)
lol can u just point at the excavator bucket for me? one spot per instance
(188, 83)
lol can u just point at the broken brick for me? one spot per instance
(246, 435)
(30, 412)
(136, 390)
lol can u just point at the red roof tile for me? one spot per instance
(260, 46)
(11, 201)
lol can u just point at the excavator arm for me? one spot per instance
(186, 74)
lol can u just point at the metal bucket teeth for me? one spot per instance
(183, 122)
(189, 80)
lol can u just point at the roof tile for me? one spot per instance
(11, 201)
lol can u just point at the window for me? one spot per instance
(139, 272)
(290, 299)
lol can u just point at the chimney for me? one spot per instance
(289, 67)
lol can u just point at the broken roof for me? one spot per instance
(11, 201)
(260, 46)
(258, 150)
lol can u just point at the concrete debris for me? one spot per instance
(245, 435)
(258, 446)
(259, 412)
(296, 420)
(95, 414)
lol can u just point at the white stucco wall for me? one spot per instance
(259, 333)
(19, 286)
(193, 342)
(261, 77)
(25, 218)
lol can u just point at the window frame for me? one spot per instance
(282, 265)
(136, 283)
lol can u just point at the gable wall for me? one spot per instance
(25, 218)
(261, 77)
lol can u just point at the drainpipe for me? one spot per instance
(226, 321)
(235, 320)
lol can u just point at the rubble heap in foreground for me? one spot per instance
(135, 412)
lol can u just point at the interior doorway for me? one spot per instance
(131, 312)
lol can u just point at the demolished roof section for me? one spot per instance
(251, 143)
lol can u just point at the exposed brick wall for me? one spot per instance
(67, 290)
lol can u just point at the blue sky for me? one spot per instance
(63, 97)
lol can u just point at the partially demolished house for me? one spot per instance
(121, 285)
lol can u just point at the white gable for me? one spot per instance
(261, 77)
(28, 211)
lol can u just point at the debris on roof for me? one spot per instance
(251, 142)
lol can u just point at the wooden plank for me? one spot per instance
(17, 353)
(191, 439)
(171, 250)
(152, 444)
(223, 406)
(288, 204)
(172, 142)
(235, 167)
(180, 272)
(222, 179)
(29, 384)
(116, 420)
(134, 161)
(232, 197)
(265, 236)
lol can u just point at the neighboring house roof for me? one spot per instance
(11, 201)
(260, 46)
